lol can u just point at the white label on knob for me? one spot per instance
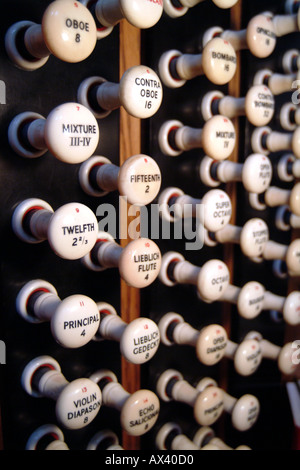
(261, 38)
(211, 344)
(78, 404)
(209, 406)
(259, 105)
(248, 357)
(140, 262)
(140, 340)
(72, 231)
(71, 133)
(219, 61)
(257, 173)
(76, 321)
(245, 412)
(213, 280)
(69, 30)
(140, 412)
(218, 137)
(141, 92)
(217, 209)
(254, 236)
(139, 179)
(251, 300)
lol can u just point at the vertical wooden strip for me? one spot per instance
(130, 144)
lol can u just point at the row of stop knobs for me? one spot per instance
(70, 30)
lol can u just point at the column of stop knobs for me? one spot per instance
(69, 30)
(212, 280)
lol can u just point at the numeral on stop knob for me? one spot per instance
(74, 321)
(77, 402)
(71, 230)
(68, 31)
(70, 133)
(139, 411)
(139, 92)
(138, 263)
(139, 340)
(259, 36)
(138, 178)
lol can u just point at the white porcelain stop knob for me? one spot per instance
(278, 83)
(138, 178)
(142, 14)
(290, 254)
(244, 410)
(288, 306)
(258, 105)
(77, 402)
(139, 340)
(259, 36)
(70, 133)
(211, 279)
(291, 308)
(253, 298)
(285, 359)
(217, 62)
(207, 404)
(255, 173)
(139, 92)
(71, 230)
(247, 356)
(139, 262)
(74, 321)
(68, 31)
(180, 8)
(249, 299)
(139, 411)
(266, 141)
(274, 197)
(214, 210)
(51, 433)
(252, 237)
(209, 342)
(217, 138)
(282, 355)
(286, 24)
